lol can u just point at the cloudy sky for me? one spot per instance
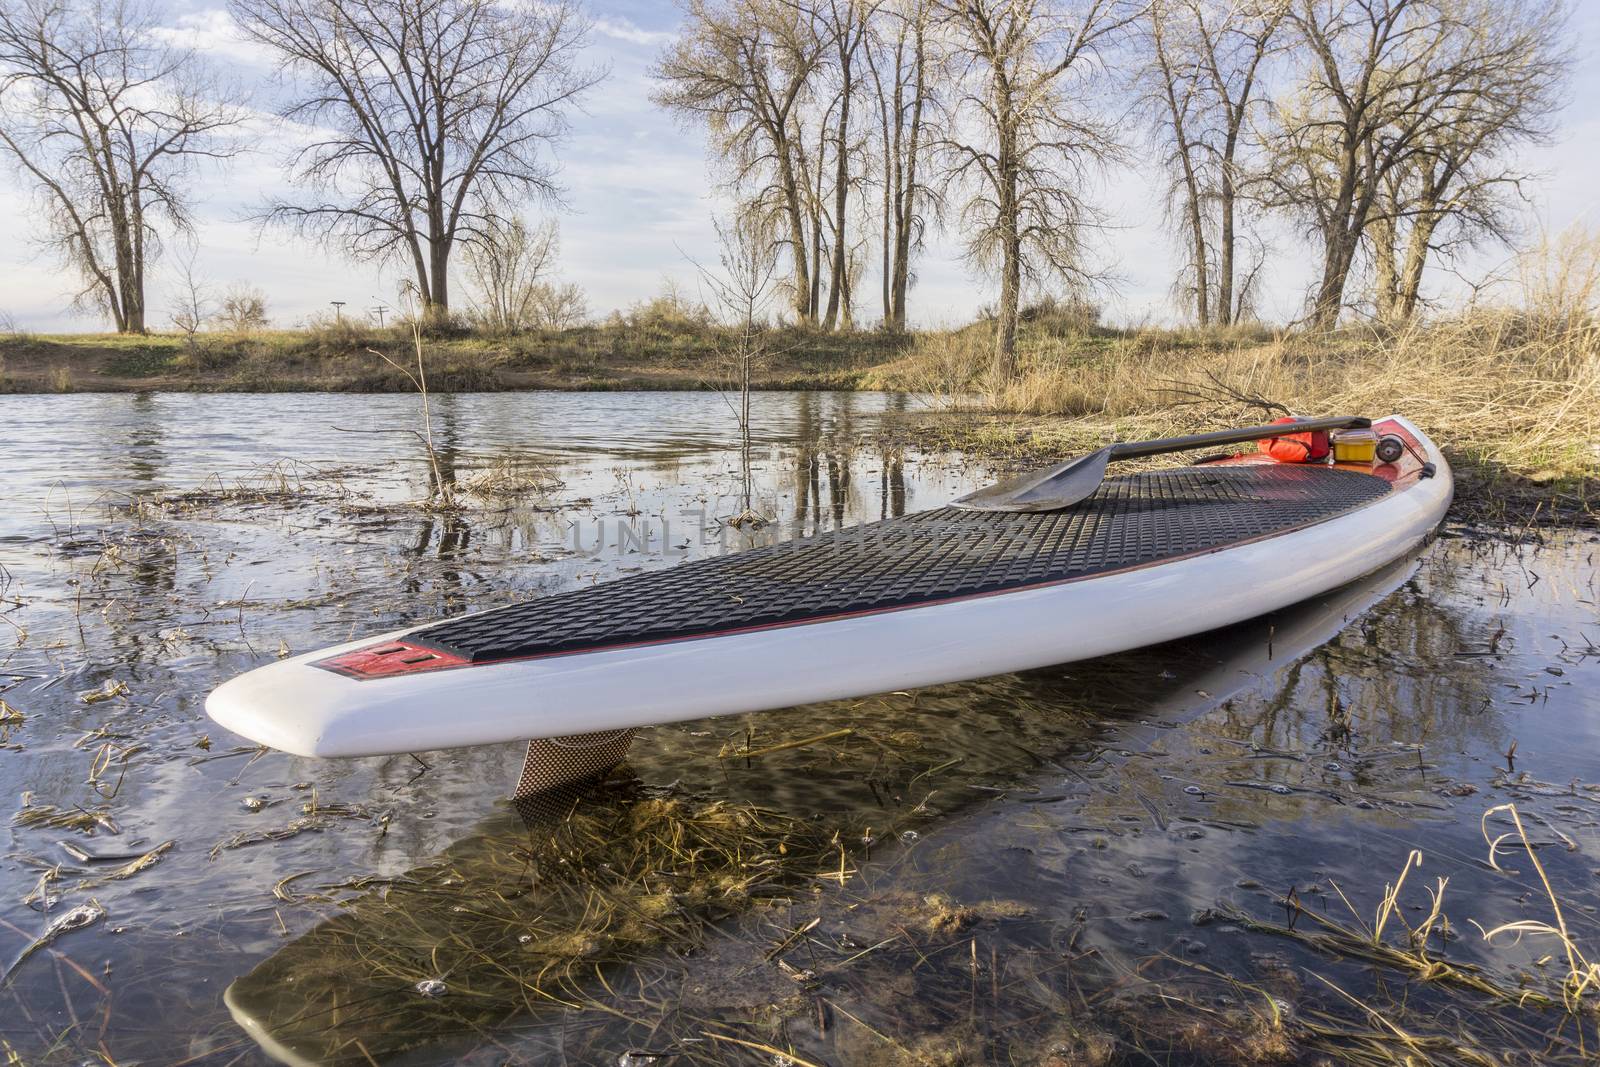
(639, 202)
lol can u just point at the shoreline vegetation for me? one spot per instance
(1513, 395)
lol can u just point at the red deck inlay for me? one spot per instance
(389, 658)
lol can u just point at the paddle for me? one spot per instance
(1067, 483)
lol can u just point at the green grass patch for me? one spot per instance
(142, 361)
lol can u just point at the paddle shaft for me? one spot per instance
(1134, 449)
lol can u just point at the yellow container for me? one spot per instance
(1355, 446)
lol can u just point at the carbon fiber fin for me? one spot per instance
(556, 770)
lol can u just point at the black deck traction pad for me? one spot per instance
(932, 556)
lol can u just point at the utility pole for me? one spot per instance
(338, 311)
(381, 310)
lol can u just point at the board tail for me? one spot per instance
(555, 768)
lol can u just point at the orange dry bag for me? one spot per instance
(1311, 447)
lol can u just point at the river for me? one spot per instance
(1181, 853)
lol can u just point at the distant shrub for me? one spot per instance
(243, 309)
(669, 309)
(339, 333)
(1062, 317)
(560, 307)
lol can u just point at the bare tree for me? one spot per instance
(242, 309)
(1204, 78)
(1383, 80)
(108, 121)
(740, 291)
(900, 60)
(431, 116)
(1031, 139)
(510, 272)
(1457, 188)
(191, 305)
(742, 67)
(507, 267)
(559, 305)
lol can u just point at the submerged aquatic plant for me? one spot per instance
(509, 926)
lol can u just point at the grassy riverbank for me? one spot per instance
(654, 353)
(1514, 396)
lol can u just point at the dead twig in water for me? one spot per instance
(832, 735)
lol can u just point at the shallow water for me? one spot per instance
(1084, 864)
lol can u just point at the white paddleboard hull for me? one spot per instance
(310, 711)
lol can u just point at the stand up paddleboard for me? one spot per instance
(1058, 565)
(317, 1000)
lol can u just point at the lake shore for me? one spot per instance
(648, 355)
(1515, 401)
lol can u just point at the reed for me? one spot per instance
(1582, 976)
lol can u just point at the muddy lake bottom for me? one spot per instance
(1267, 844)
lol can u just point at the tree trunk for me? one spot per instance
(1346, 220)
(134, 302)
(890, 176)
(126, 305)
(841, 195)
(1191, 182)
(1409, 285)
(816, 264)
(134, 313)
(439, 288)
(130, 313)
(906, 207)
(1226, 312)
(1005, 333)
(1006, 179)
(815, 301)
(847, 310)
(1337, 259)
(797, 236)
(1385, 281)
(1197, 236)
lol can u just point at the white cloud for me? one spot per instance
(214, 33)
(625, 29)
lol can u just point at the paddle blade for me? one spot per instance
(1050, 489)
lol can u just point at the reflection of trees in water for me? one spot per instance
(826, 493)
(807, 478)
(892, 483)
(1325, 733)
(145, 454)
(139, 574)
(838, 487)
(444, 537)
(446, 446)
(1392, 677)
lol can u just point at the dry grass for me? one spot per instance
(1511, 390)
(1494, 385)
(1582, 977)
(1513, 397)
